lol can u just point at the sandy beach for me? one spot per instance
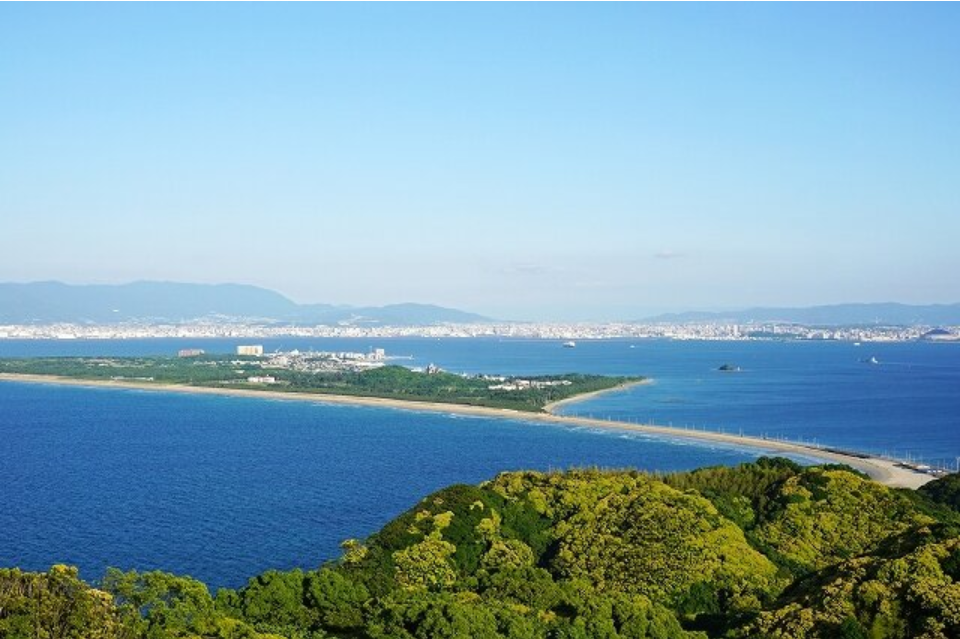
(553, 406)
(881, 470)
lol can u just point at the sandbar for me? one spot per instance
(881, 470)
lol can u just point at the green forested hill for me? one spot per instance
(767, 549)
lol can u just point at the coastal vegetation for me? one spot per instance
(766, 549)
(529, 393)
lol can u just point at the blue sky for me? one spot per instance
(521, 160)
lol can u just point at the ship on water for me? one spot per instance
(570, 344)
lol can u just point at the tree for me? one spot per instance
(335, 599)
(55, 605)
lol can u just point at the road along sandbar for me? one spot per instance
(882, 470)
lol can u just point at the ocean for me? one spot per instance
(223, 488)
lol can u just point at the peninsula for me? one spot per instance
(358, 381)
(326, 374)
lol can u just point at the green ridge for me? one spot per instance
(767, 549)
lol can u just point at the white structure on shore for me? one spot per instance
(255, 350)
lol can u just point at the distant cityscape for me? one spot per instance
(517, 330)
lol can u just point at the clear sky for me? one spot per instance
(519, 160)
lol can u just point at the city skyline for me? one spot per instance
(534, 162)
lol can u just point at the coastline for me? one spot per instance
(549, 408)
(880, 470)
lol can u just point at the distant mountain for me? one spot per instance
(833, 315)
(390, 315)
(47, 302)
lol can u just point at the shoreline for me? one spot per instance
(549, 408)
(880, 470)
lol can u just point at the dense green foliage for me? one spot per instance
(767, 549)
(397, 382)
(55, 604)
(390, 382)
(944, 491)
(909, 590)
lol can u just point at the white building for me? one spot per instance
(256, 350)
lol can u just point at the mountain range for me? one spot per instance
(173, 302)
(48, 302)
(888, 314)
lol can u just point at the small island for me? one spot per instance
(334, 374)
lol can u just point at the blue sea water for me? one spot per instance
(223, 488)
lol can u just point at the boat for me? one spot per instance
(570, 344)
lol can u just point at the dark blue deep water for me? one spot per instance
(223, 488)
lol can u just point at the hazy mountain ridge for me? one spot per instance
(885, 313)
(46, 302)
